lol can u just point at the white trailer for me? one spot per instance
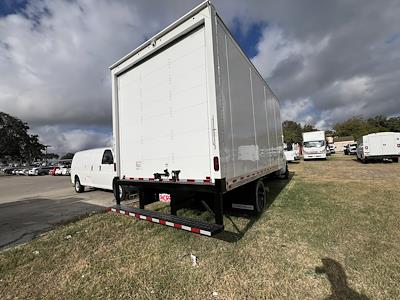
(314, 145)
(377, 146)
(192, 116)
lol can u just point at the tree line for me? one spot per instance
(356, 127)
(16, 144)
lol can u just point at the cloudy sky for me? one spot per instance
(325, 60)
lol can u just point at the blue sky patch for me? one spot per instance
(393, 39)
(8, 7)
(248, 36)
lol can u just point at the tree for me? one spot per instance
(68, 156)
(355, 126)
(51, 156)
(291, 132)
(15, 141)
(377, 124)
(309, 127)
(393, 124)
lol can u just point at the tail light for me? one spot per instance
(216, 163)
(398, 145)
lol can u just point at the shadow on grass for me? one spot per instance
(275, 187)
(338, 280)
(376, 161)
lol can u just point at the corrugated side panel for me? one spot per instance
(250, 130)
(163, 112)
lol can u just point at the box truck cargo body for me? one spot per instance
(380, 145)
(191, 113)
(314, 145)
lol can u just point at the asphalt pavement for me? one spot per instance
(33, 205)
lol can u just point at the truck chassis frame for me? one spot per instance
(148, 192)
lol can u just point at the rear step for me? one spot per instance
(187, 224)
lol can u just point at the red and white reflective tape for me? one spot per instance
(207, 180)
(159, 221)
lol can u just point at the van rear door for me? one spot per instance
(106, 171)
(375, 145)
(389, 145)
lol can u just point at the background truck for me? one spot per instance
(193, 119)
(377, 146)
(314, 145)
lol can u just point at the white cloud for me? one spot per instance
(275, 47)
(298, 110)
(63, 140)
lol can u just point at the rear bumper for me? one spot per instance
(314, 156)
(381, 156)
(170, 186)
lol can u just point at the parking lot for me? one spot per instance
(30, 206)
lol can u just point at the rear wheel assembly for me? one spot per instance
(260, 196)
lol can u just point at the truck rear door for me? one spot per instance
(163, 112)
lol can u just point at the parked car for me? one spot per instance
(62, 170)
(22, 172)
(38, 171)
(350, 149)
(332, 148)
(290, 153)
(328, 150)
(53, 170)
(9, 170)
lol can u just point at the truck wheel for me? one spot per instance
(78, 187)
(260, 196)
(286, 176)
(122, 193)
(395, 159)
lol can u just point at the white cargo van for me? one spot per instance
(193, 118)
(314, 145)
(93, 168)
(377, 146)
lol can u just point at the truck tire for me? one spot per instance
(286, 176)
(78, 187)
(260, 196)
(395, 159)
(122, 193)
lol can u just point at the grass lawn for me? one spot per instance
(330, 231)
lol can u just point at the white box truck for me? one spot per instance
(314, 145)
(193, 118)
(378, 146)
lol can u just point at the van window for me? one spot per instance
(107, 158)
